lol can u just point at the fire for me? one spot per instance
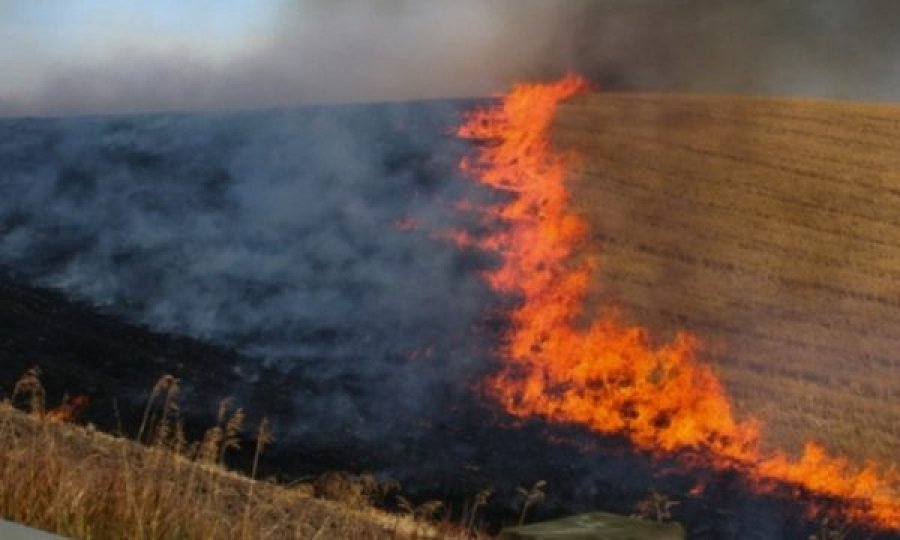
(605, 374)
(69, 410)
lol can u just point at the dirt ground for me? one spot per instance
(771, 229)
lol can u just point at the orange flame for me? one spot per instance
(607, 375)
(69, 409)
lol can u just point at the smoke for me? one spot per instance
(316, 52)
(355, 50)
(307, 240)
(829, 49)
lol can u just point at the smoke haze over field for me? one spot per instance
(303, 239)
(196, 55)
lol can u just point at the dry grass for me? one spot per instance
(85, 484)
(769, 227)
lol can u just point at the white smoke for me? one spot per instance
(276, 234)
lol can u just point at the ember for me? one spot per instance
(69, 410)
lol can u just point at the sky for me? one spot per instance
(96, 56)
(67, 30)
(90, 56)
(42, 38)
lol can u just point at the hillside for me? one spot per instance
(769, 228)
(81, 351)
(84, 483)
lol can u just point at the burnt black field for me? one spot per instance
(296, 260)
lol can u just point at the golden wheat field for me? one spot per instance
(771, 229)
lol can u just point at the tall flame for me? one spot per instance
(605, 374)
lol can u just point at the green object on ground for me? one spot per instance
(595, 526)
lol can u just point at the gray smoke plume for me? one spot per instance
(830, 49)
(308, 240)
(362, 50)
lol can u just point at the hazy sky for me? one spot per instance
(98, 56)
(43, 38)
(83, 56)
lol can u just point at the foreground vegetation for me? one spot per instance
(82, 483)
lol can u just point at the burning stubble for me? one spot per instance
(607, 375)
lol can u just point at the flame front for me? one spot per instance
(605, 374)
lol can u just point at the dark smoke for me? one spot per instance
(830, 49)
(359, 51)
